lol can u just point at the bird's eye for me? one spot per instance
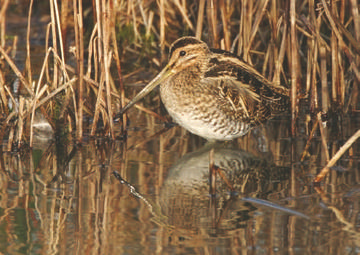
(182, 53)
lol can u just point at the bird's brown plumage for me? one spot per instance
(214, 94)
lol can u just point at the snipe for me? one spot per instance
(212, 93)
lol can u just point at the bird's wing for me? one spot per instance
(243, 87)
(223, 63)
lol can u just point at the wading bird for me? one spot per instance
(212, 93)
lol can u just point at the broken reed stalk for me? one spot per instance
(211, 10)
(294, 66)
(16, 71)
(13, 101)
(4, 101)
(47, 36)
(337, 156)
(323, 78)
(3, 9)
(91, 48)
(162, 27)
(273, 51)
(308, 143)
(118, 65)
(224, 19)
(28, 59)
(65, 78)
(149, 24)
(58, 23)
(96, 56)
(334, 65)
(107, 61)
(267, 59)
(248, 14)
(278, 61)
(142, 12)
(20, 122)
(79, 41)
(99, 56)
(54, 43)
(200, 19)
(309, 65)
(104, 55)
(311, 87)
(64, 19)
(136, 32)
(356, 18)
(240, 36)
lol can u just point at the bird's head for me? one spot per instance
(184, 53)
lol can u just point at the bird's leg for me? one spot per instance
(212, 174)
(214, 169)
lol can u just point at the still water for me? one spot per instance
(61, 198)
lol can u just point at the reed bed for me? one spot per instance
(311, 47)
(92, 52)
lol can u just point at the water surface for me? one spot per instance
(64, 199)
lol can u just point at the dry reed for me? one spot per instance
(312, 48)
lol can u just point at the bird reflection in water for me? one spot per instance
(185, 194)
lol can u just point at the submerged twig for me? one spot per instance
(154, 209)
(336, 157)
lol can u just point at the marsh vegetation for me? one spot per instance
(67, 67)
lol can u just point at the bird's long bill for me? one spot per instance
(165, 73)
